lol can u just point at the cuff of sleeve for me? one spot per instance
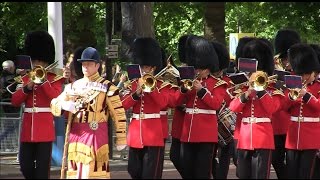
(135, 96)
(183, 90)
(26, 90)
(261, 93)
(201, 92)
(306, 97)
(243, 98)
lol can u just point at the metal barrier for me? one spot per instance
(10, 125)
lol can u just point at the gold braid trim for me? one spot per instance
(80, 152)
(220, 83)
(277, 92)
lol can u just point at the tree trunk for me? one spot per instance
(137, 21)
(214, 20)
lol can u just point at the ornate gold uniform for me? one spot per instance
(95, 98)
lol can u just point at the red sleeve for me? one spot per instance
(215, 97)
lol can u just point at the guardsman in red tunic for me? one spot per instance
(242, 42)
(303, 134)
(179, 112)
(281, 119)
(37, 129)
(145, 136)
(224, 151)
(316, 174)
(255, 143)
(199, 135)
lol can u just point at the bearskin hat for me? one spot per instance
(268, 43)
(223, 54)
(283, 40)
(303, 59)
(181, 48)
(316, 48)
(201, 54)
(75, 63)
(241, 43)
(39, 45)
(146, 51)
(260, 51)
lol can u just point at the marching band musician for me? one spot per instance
(316, 174)
(242, 42)
(304, 127)
(224, 152)
(281, 119)
(37, 129)
(89, 101)
(199, 134)
(145, 136)
(255, 142)
(282, 42)
(179, 112)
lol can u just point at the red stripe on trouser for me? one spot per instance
(157, 164)
(269, 163)
(312, 166)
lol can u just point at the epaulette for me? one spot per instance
(111, 89)
(56, 77)
(220, 81)
(164, 84)
(278, 92)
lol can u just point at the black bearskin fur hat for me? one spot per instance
(39, 45)
(284, 39)
(223, 55)
(146, 51)
(303, 59)
(260, 51)
(201, 54)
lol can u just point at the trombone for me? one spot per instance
(188, 83)
(260, 83)
(37, 75)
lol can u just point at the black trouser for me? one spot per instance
(254, 164)
(146, 162)
(316, 172)
(300, 163)
(35, 159)
(279, 155)
(224, 155)
(196, 160)
(175, 155)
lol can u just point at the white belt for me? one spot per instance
(305, 119)
(255, 120)
(199, 111)
(37, 109)
(145, 116)
(163, 112)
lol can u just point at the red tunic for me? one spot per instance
(202, 127)
(145, 132)
(38, 126)
(255, 135)
(304, 135)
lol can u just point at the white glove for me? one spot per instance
(121, 147)
(69, 106)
